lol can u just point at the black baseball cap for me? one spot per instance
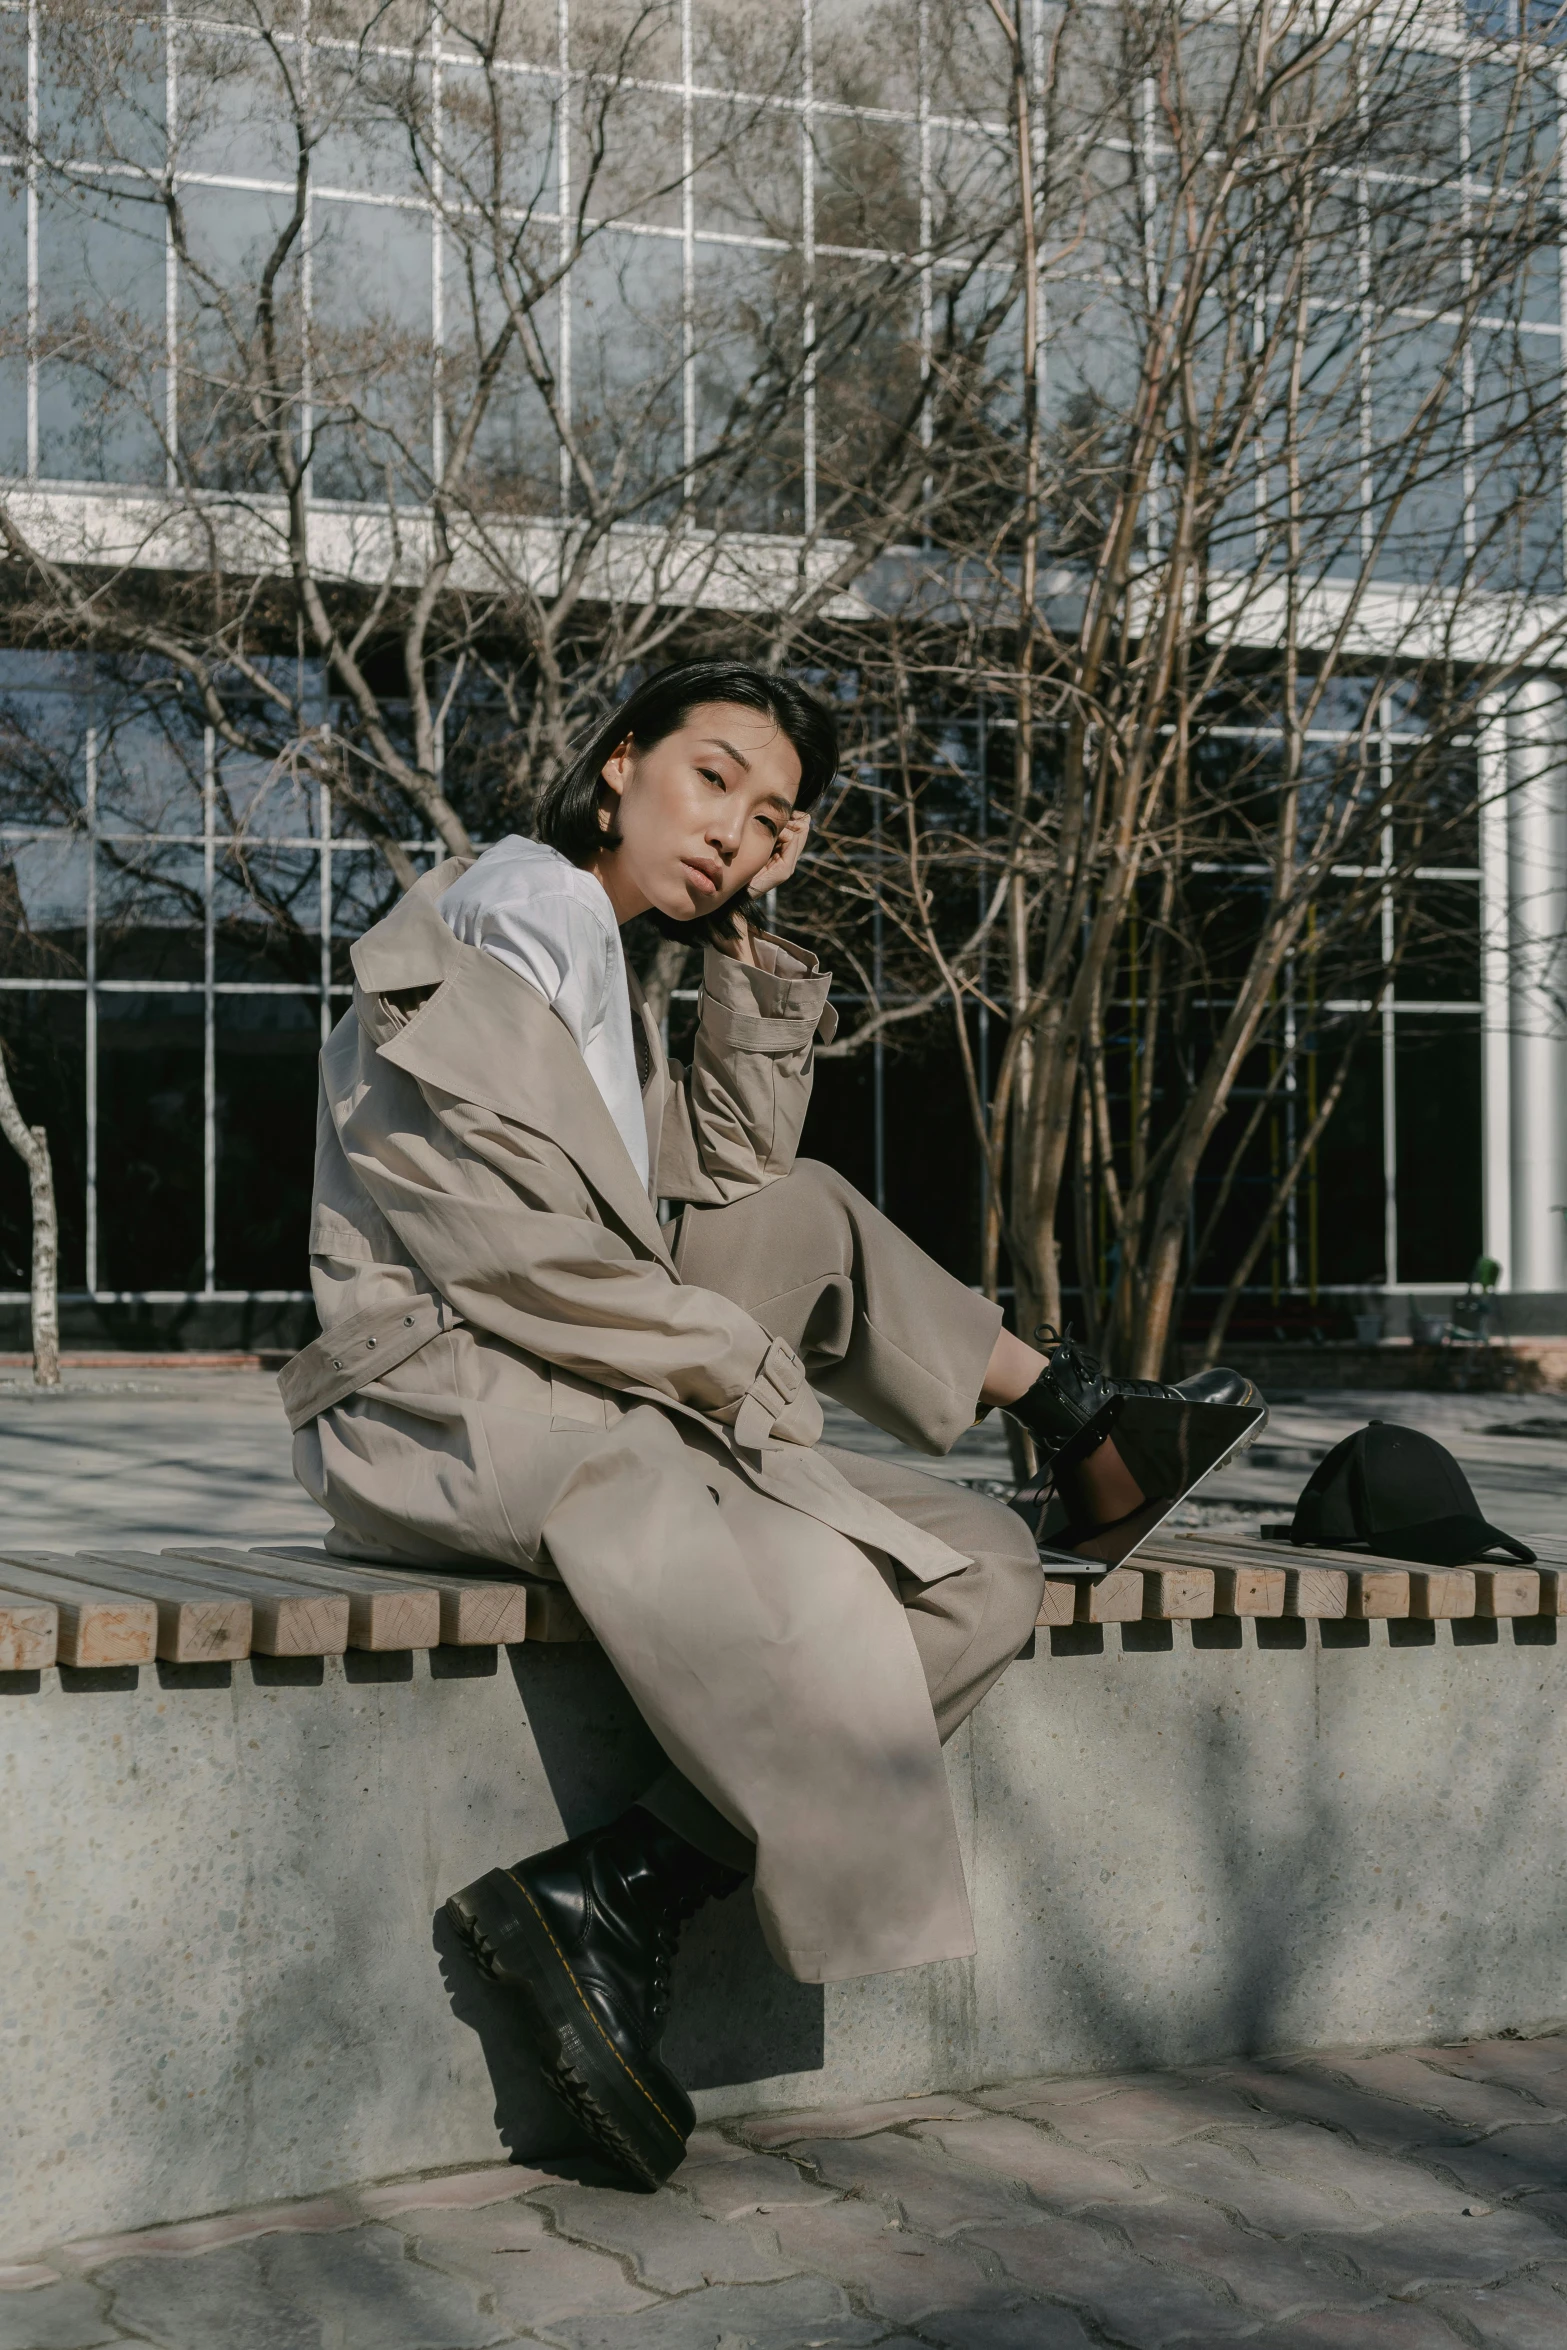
(1401, 1494)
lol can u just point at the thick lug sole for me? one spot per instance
(509, 1938)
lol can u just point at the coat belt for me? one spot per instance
(353, 1352)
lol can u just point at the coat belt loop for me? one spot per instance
(354, 1352)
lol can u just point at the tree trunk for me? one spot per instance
(31, 1145)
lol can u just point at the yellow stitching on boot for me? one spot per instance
(597, 2026)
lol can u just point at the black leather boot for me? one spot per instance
(1073, 1386)
(585, 1934)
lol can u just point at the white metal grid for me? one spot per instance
(692, 234)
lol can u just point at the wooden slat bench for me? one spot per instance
(1184, 1577)
(213, 1604)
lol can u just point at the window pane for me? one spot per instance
(266, 1103)
(13, 324)
(150, 1142)
(101, 327)
(1438, 1082)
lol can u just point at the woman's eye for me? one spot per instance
(767, 823)
(711, 775)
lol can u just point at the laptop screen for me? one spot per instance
(1169, 1448)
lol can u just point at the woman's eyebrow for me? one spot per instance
(738, 757)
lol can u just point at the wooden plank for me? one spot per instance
(552, 1612)
(285, 1619)
(490, 1607)
(1507, 1591)
(194, 1627)
(1117, 1598)
(1320, 1593)
(1058, 1603)
(1436, 1593)
(96, 1628)
(1249, 1591)
(383, 1612)
(29, 1632)
(484, 1615)
(1378, 1591)
(1553, 1591)
(1311, 1582)
(1176, 1594)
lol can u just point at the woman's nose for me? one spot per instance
(725, 828)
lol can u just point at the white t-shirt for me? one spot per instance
(533, 909)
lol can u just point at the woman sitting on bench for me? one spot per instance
(519, 1363)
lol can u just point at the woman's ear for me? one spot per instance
(616, 771)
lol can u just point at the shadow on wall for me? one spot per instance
(734, 2016)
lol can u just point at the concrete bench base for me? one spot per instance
(225, 1979)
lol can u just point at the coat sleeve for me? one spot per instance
(500, 1222)
(732, 1121)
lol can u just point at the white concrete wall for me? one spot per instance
(216, 1902)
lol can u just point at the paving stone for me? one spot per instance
(323, 2212)
(803, 2313)
(709, 2145)
(752, 2183)
(672, 2247)
(1064, 2175)
(1276, 2280)
(1144, 2116)
(1026, 2325)
(1474, 2104)
(453, 2190)
(896, 2272)
(934, 2194)
(1126, 2298)
(523, 2272)
(1376, 2189)
(1517, 2161)
(1538, 2067)
(1230, 2177)
(1375, 2329)
(1373, 2122)
(64, 2316)
(1415, 2254)
(850, 2121)
(358, 2291)
(1528, 2315)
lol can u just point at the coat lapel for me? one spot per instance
(486, 1036)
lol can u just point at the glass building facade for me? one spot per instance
(166, 1030)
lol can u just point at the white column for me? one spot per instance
(1496, 1016)
(1537, 928)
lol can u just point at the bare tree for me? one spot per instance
(454, 436)
(1278, 455)
(31, 1145)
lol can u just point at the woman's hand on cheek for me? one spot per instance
(786, 855)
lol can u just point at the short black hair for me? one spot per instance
(568, 813)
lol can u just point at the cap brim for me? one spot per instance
(1447, 1542)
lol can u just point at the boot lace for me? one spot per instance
(1089, 1368)
(668, 1912)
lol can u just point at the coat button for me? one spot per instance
(369, 1342)
(336, 1365)
(408, 1321)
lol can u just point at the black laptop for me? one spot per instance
(1169, 1447)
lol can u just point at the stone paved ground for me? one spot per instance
(149, 1457)
(1414, 2200)
(1407, 2201)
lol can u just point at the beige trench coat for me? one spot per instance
(512, 1369)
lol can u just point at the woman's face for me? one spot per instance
(701, 814)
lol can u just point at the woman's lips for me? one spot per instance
(700, 878)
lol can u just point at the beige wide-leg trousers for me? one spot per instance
(881, 1328)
